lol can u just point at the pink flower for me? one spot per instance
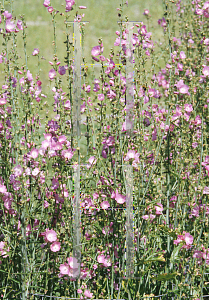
(184, 89)
(88, 294)
(96, 51)
(159, 209)
(35, 51)
(55, 247)
(35, 172)
(61, 70)
(64, 269)
(206, 71)
(130, 155)
(19, 25)
(100, 97)
(188, 239)
(182, 55)
(34, 153)
(29, 76)
(120, 199)
(101, 259)
(52, 74)
(92, 160)
(105, 205)
(82, 7)
(3, 189)
(68, 154)
(7, 15)
(50, 9)
(146, 12)
(18, 170)
(46, 3)
(51, 236)
(79, 291)
(10, 26)
(73, 262)
(206, 190)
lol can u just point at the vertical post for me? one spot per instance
(76, 221)
(77, 80)
(128, 171)
(129, 81)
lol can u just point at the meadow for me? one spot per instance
(104, 159)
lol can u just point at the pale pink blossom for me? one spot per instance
(18, 170)
(29, 76)
(10, 26)
(182, 55)
(105, 205)
(35, 172)
(51, 236)
(55, 247)
(96, 51)
(64, 269)
(73, 262)
(46, 3)
(120, 199)
(7, 15)
(100, 97)
(34, 153)
(159, 209)
(188, 238)
(88, 294)
(35, 51)
(206, 71)
(101, 259)
(52, 74)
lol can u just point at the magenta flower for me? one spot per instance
(96, 51)
(50, 9)
(105, 205)
(7, 15)
(10, 26)
(18, 170)
(52, 74)
(46, 3)
(19, 25)
(51, 236)
(69, 5)
(82, 7)
(55, 247)
(61, 70)
(205, 71)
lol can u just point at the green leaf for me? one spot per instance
(174, 255)
(166, 276)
